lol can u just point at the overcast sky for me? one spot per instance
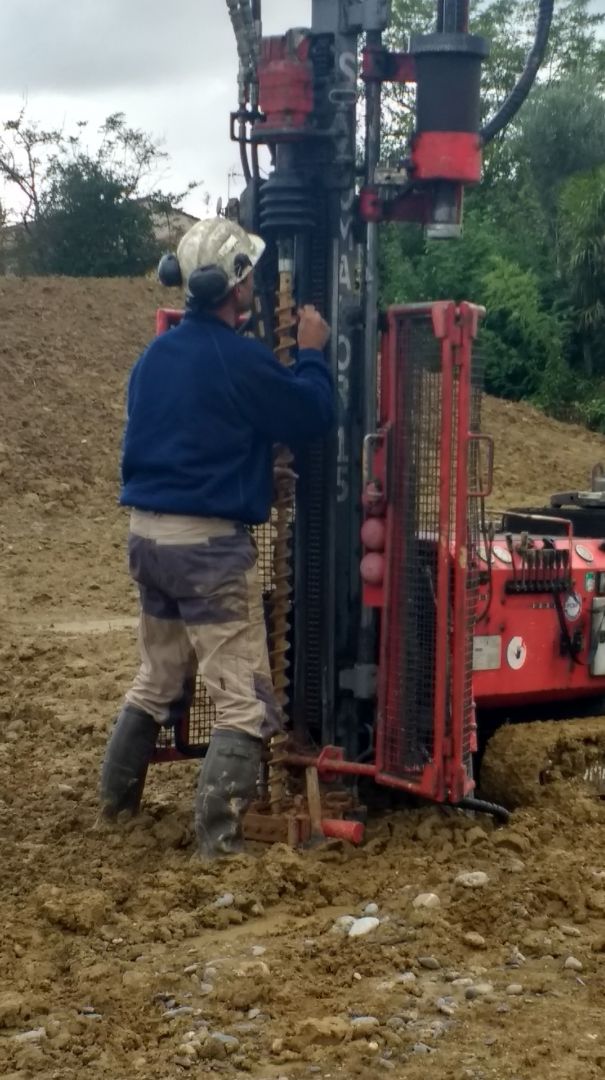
(169, 65)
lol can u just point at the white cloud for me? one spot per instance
(170, 67)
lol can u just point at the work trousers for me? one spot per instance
(201, 608)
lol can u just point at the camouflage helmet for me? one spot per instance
(222, 243)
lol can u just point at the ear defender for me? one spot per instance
(208, 285)
(169, 271)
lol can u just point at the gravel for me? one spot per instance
(343, 924)
(370, 909)
(422, 1048)
(427, 900)
(573, 964)
(430, 963)
(225, 901)
(446, 1005)
(479, 990)
(35, 1035)
(228, 1041)
(476, 941)
(473, 879)
(364, 1025)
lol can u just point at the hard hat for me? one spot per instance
(221, 243)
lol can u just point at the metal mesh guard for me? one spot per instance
(415, 501)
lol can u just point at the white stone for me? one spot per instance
(475, 940)
(446, 1006)
(224, 901)
(572, 964)
(364, 1024)
(35, 1035)
(474, 879)
(364, 926)
(427, 900)
(478, 990)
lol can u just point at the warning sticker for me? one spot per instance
(487, 652)
(516, 653)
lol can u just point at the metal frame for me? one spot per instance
(447, 776)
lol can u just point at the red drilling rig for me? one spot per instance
(404, 626)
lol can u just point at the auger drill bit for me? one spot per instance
(281, 595)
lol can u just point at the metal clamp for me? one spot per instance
(371, 443)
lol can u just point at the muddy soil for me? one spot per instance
(120, 955)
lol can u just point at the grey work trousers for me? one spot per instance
(201, 608)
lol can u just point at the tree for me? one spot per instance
(582, 221)
(561, 134)
(84, 212)
(90, 227)
(533, 249)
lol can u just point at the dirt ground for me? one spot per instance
(120, 955)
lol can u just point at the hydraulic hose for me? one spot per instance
(518, 95)
(479, 806)
(245, 28)
(245, 19)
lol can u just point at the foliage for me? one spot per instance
(582, 242)
(78, 211)
(533, 250)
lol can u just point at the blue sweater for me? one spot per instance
(205, 407)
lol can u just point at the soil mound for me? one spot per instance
(122, 956)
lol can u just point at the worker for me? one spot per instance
(205, 407)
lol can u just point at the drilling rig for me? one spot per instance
(404, 627)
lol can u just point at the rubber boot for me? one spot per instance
(226, 787)
(129, 751)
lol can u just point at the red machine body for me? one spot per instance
(167, 317)
(446, 147)
(535, 636)
(448, 155)
(468, 624)
(285, 79)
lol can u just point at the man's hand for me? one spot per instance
(313, 330)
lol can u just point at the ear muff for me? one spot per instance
(169, 271)
(208, 285)
(241, 264)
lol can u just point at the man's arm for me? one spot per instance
(288, 405)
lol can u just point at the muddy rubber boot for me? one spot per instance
(226, 787)
(129, 751)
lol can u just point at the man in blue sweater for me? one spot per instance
(205, 408)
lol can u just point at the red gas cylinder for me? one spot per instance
(373, 534)
(372, 568)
